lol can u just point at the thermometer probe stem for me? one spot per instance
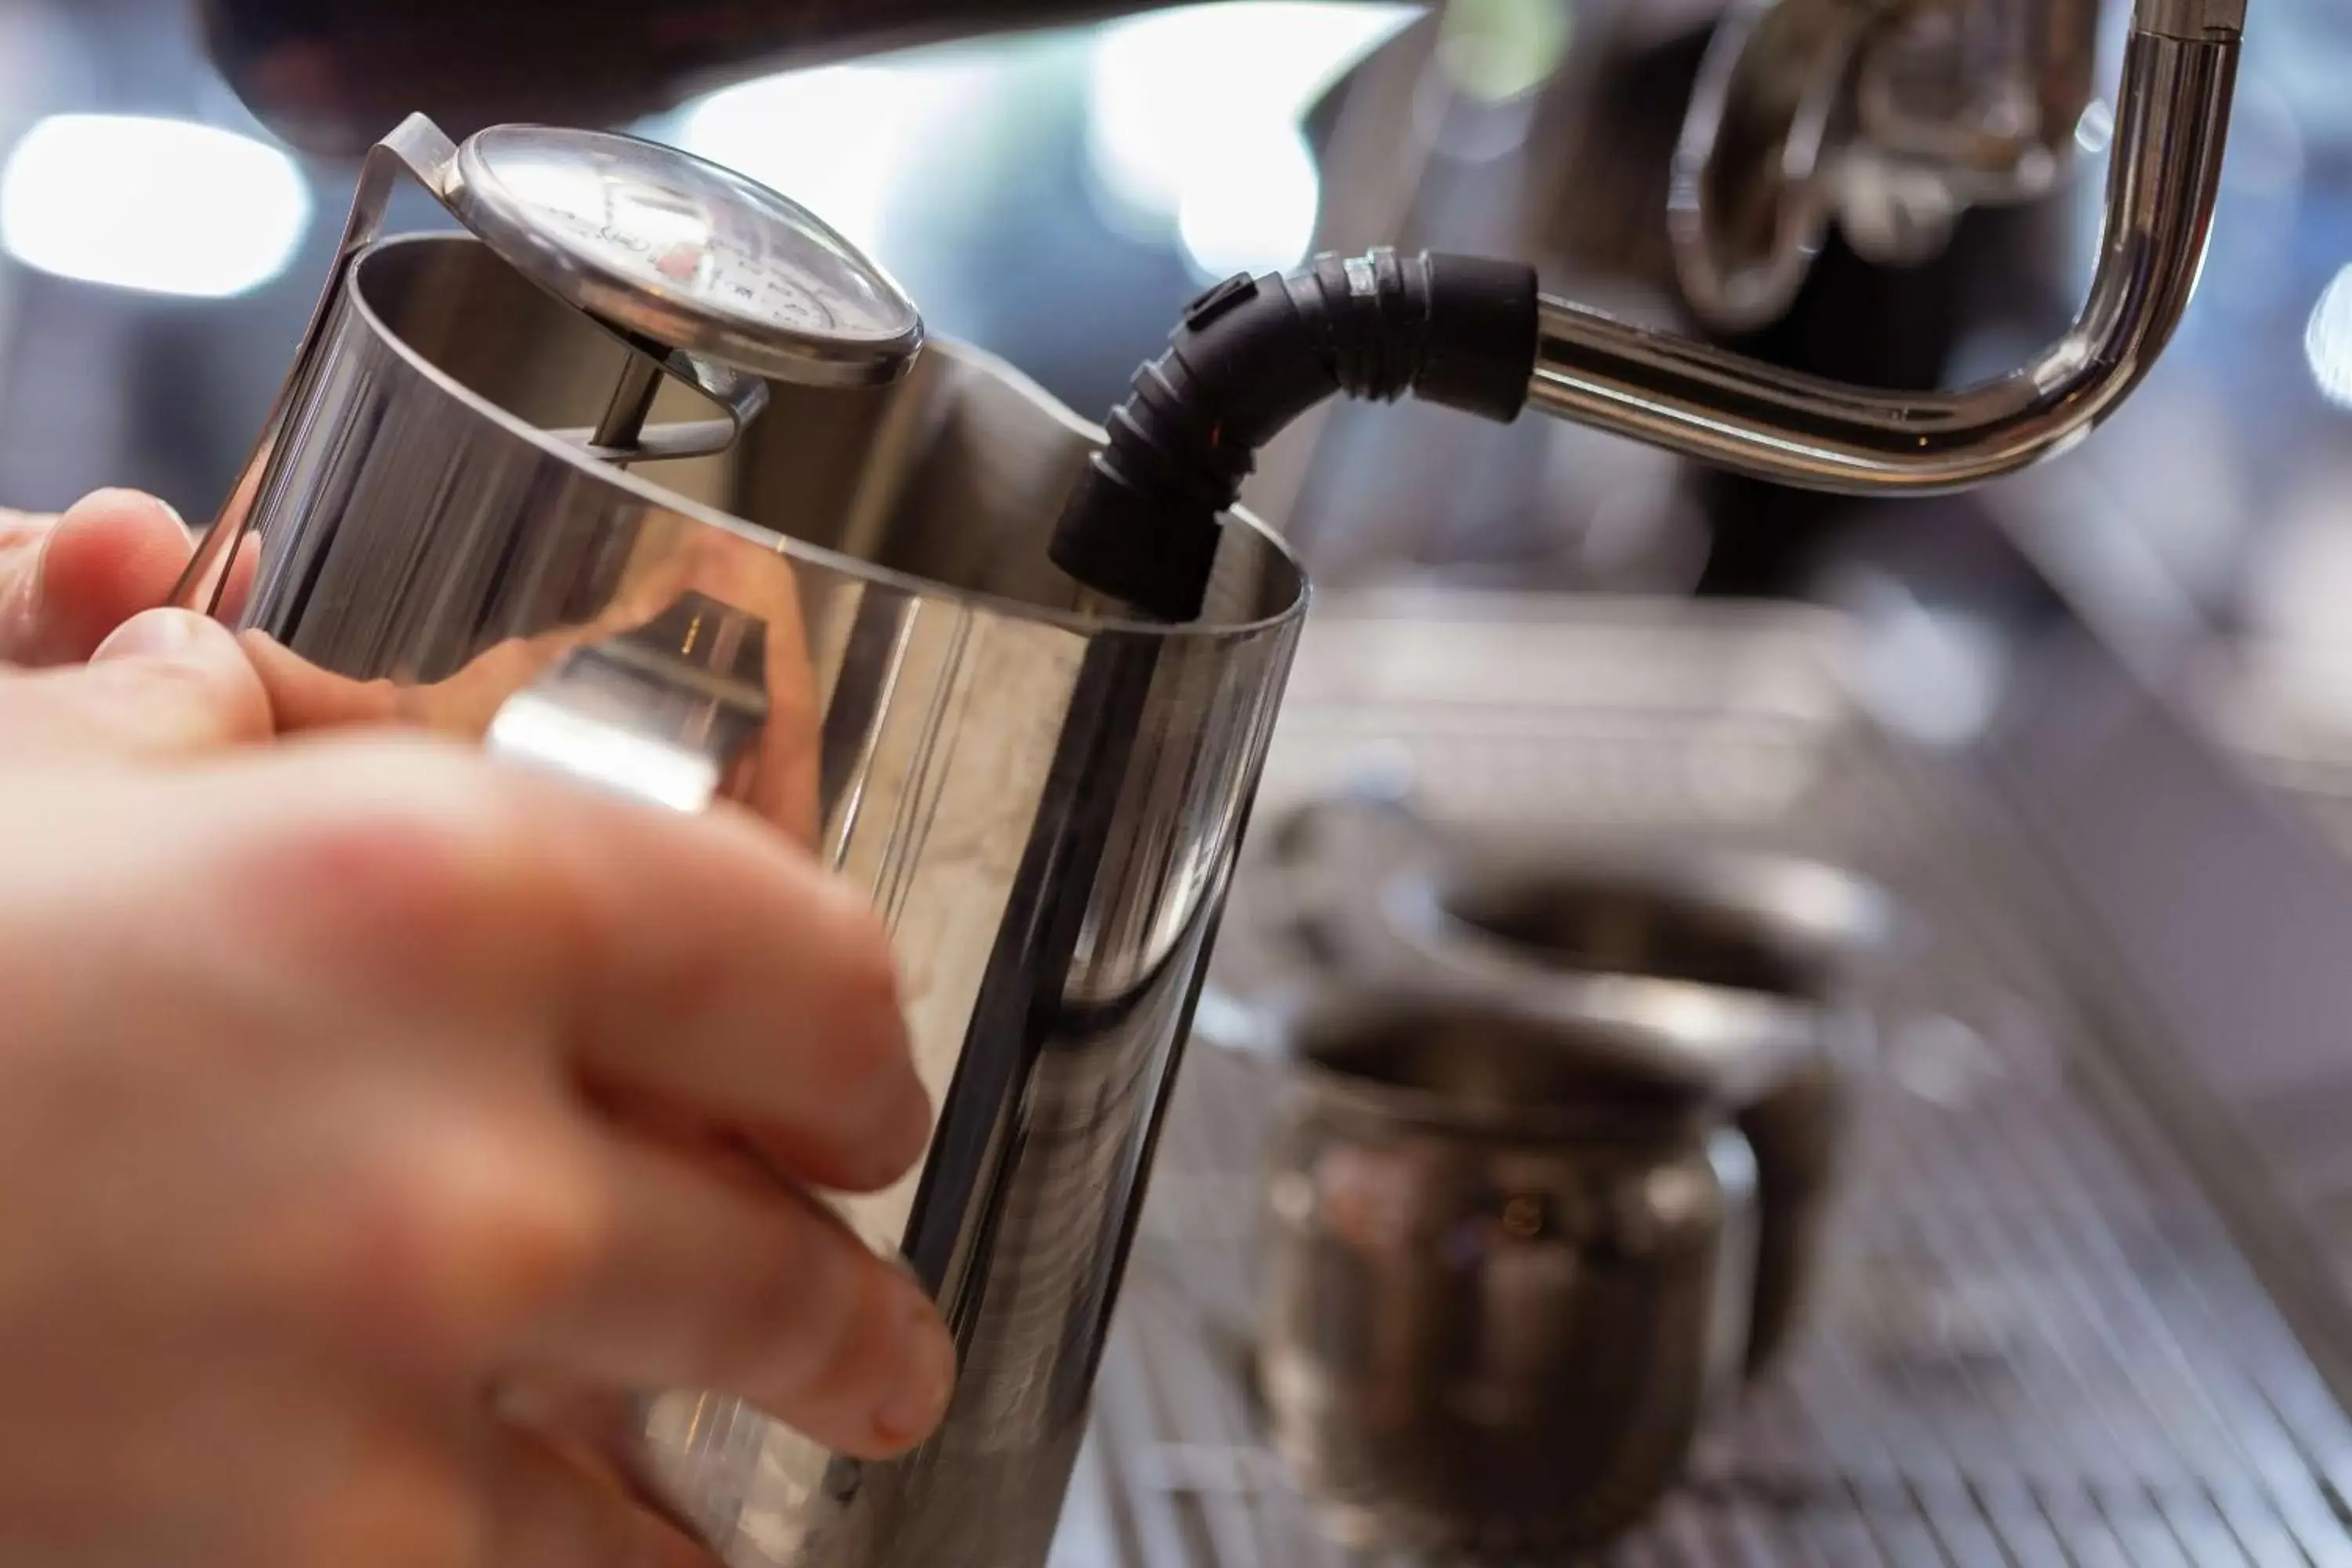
(633, 400)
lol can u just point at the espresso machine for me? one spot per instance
(1923, 137)
(648, 477)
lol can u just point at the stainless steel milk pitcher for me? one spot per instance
(837, 610)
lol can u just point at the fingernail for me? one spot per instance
(114, 503)
(911, 1138)
(117, 496)
(900, 1144)
(35, 587)
(152, 634)
(926, 1380)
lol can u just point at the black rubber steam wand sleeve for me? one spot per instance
(1253, 355)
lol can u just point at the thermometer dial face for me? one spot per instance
(673, 249)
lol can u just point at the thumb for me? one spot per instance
(66, 582)
(167, 684)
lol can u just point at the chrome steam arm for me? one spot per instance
(1254, 353)
(2172, 116)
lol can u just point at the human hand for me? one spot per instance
(83, 586)
(308, 1145)
(66, 582)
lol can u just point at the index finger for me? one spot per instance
(66, 582)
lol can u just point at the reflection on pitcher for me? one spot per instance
(712, 625)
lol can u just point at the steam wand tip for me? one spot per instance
(1250, 356)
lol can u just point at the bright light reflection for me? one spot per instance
(1503, 50)
(163, 206)
(2328, 341)
(842, 140)
(1196, 112)
(1935, 677)
(1256, 215)
(536, 730)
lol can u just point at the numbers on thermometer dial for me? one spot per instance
(717, 269)
(688, 235)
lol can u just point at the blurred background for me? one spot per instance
(1056, 195)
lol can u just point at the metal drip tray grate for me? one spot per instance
(2040, 1346)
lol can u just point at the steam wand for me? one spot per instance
(1253, 355)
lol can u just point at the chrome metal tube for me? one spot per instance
(2172, 122)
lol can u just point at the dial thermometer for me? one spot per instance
(684, 253)
(711, 278)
